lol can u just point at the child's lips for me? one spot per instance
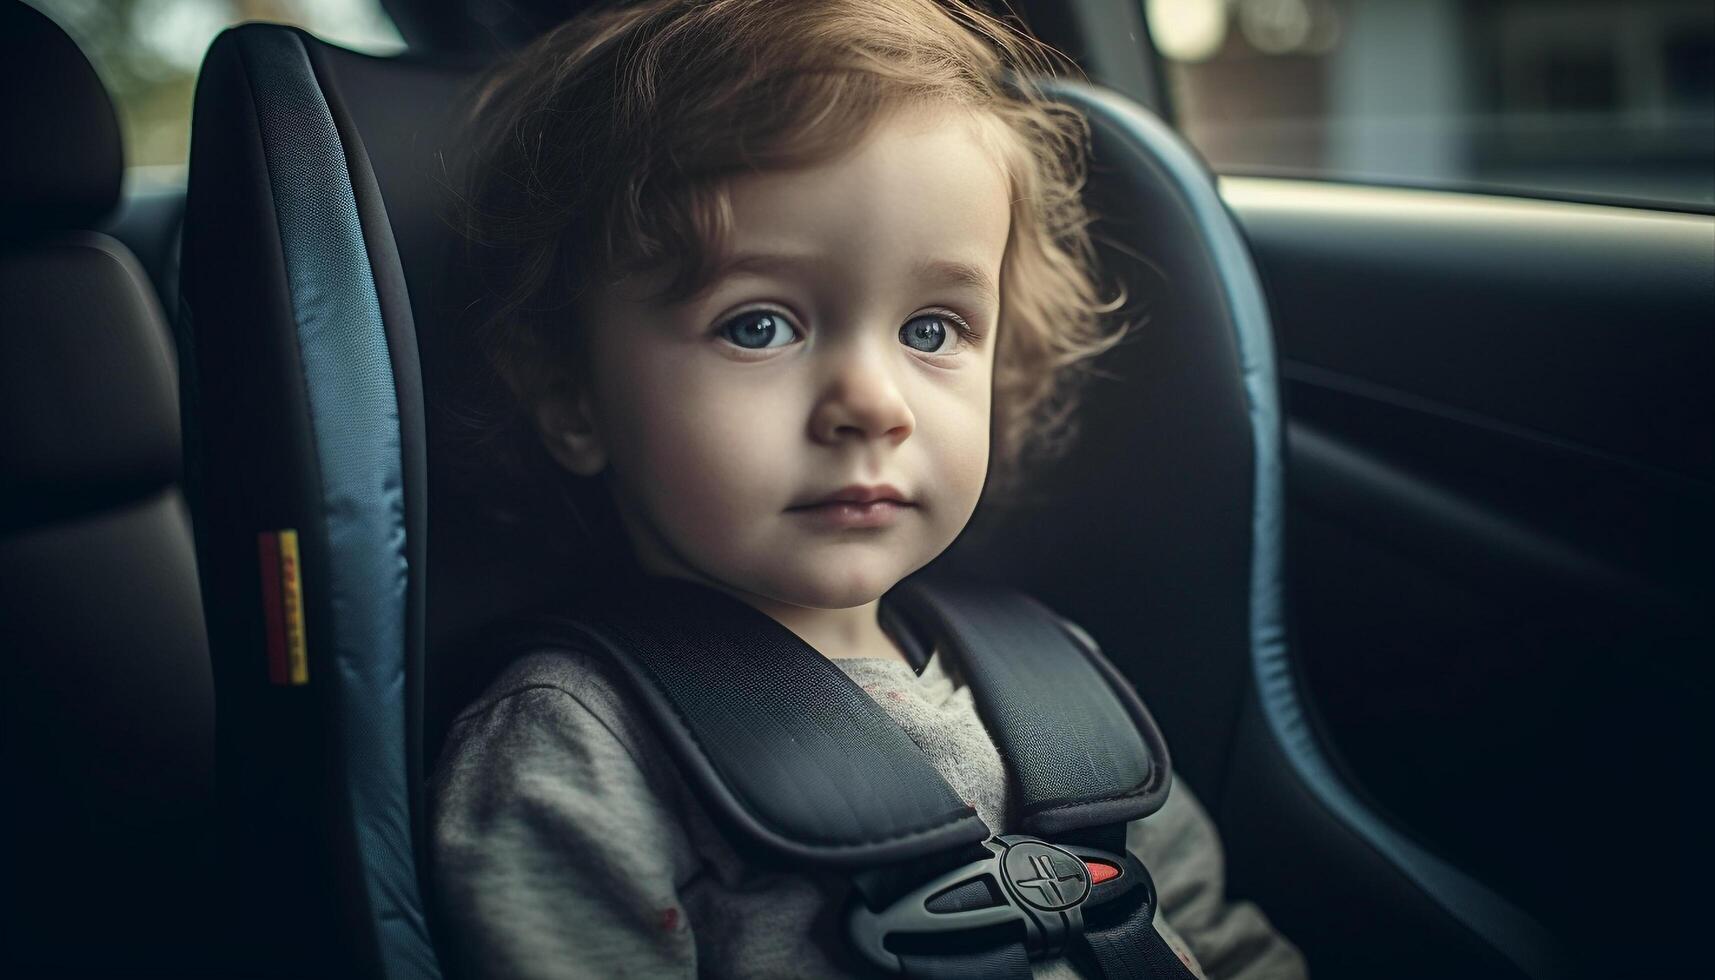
(843, 514)
(859, 493)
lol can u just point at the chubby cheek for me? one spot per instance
(962, 456)
(707, 465)
(953, 430)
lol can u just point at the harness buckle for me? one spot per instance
(1044, 888)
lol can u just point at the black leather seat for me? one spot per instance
(318, 287)
(106, 699)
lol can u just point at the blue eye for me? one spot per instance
(927, 332)
(758, 330)
(768, 329)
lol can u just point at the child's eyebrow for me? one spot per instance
(948, 272)
(939, 272)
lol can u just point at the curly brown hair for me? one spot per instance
(605, 147)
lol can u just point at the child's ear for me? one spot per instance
(568, 431)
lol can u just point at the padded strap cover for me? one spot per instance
(1081, 745)
(805, 766)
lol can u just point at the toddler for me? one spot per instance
(792, 284)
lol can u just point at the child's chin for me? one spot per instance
(841, 588)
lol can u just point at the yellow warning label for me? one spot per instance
(292, 609)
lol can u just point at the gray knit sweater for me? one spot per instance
(566, 844)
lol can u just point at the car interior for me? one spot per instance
(1397, 514)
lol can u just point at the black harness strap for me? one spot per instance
(795, 757)
(1133, 950)
(806, 769)
(1083, 748)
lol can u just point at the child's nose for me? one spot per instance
(862, 398)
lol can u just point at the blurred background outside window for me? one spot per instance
(147, 52)
(1590, 99)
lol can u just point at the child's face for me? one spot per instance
(825, 360)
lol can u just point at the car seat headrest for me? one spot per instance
(89, 392)
(66, 160)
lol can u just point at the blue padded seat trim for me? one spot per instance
(1505, 927)
(348, 376)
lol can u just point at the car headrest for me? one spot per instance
(64, 160)
(89, 398)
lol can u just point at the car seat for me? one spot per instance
(319, 323)
(106, 699)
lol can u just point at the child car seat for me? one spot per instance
(344, 570)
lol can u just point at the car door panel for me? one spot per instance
(1501, 492)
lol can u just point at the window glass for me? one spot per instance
(1595, 99)
(147, 53)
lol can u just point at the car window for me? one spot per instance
(1582, 99)
(147, 53)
